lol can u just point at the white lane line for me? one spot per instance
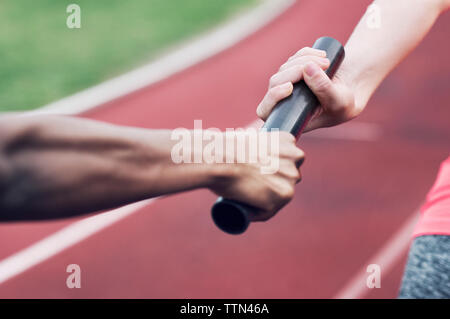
(386, 258)
(190, 54)
(63, 239)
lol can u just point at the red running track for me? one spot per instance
(354, 196)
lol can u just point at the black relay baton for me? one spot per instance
(291, 115)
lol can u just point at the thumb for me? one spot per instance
(321, 85)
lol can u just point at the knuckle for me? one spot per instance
(274, 92)
(295, 60)
(300, 60)
(286, 193)
(286, 136)
(303, 50)
(296, 69)
(321, 83)
(298, 158)
(294, 174)
(292, 151)
(273, 79)
(259, 111)
(298, 154)
(284, 66)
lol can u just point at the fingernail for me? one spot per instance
(324, 60)
(311, 69)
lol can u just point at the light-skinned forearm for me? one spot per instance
(52, 167)
(371, 53)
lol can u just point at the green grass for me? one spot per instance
(41, 60)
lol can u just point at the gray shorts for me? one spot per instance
(427, 273)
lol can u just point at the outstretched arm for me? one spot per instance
(53, 167)
(56, 166)
(371, 53)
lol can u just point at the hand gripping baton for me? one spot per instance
(291, 115)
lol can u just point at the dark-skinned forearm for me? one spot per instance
(54, 167)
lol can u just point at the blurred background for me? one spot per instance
(43, 60)
(363, 182)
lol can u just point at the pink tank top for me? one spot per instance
(435, 213)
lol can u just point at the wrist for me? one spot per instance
(180, 163)
(356, 83)
(221, 174)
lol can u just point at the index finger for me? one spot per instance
(309, 51)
